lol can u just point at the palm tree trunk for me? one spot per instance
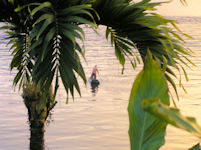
(38, 104)
(37, 135)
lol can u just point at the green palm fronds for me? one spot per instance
(53, 42)
(139, 25)
(50, 29)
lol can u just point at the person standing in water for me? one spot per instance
(93, 75)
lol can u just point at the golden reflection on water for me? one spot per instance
(97, 122)
(101, 122)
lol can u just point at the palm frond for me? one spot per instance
(20, 51)
(146, 30)
(123, 48)
(54, 44)
(183, 2)
(54, 30)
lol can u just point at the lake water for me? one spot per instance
(96, 121)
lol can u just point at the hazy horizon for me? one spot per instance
(176, 8)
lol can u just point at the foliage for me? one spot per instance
(20, 61)
(149, 111)
(55, 44)
(196, 147)
(135, 28)
(146, 131)
(44, 37)
(183, 2)
(172, 116)
(49, 42)
(123, 47)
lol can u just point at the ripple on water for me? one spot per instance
(96, 122)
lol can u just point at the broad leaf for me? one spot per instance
(146, 131)
(196, 147)
(172, 116)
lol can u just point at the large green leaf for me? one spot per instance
(172, 116)
(196, 147)
(146, 131)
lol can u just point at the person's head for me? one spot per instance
(95, 66)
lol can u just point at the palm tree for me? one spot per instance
(44, 37)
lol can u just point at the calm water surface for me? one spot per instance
(100, 121)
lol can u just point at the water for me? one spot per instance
(97, 121)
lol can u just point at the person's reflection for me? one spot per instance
(94, 87)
